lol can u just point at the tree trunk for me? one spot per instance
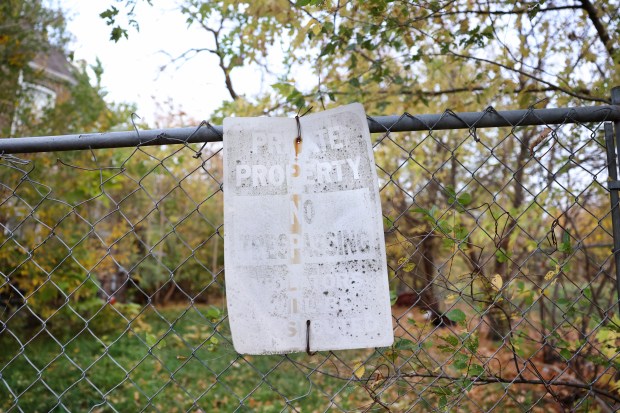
(428, 271)
(499, 326)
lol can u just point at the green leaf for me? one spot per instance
(109, 15)
(565, 237)
(444, 226)
(420, 210)
(151, 339)
(117, 33)
(472, 344)
(456, 315)
(445, 349)
(464, 199)
(566, 354)
(533, 10)
(391, 354)
(466, 384)
(283, 88)
(404, 344)
(444, 391)
(213, 313)
(565, 246)
(443, 401)
(452, 340)
(393, 297)
(447, 242)
(501, 256)
(476, 370)
(460, 364)
(433, 211)
(328, 49)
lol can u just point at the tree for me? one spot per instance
(48, 281)
(26, 29)
(395, 54)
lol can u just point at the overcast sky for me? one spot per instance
(132, 67)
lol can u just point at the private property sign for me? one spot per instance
(304, 246)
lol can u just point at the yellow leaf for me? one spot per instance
(607, 338)
(405, 264)
(359, 369)
(316, 28)
(546, 290)
(301, 34)
(549, 275)
(409, 40)
(497, 282)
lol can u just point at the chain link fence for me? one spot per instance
(501, 265)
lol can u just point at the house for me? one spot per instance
(46, 83)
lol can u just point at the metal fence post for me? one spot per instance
(613, 195)
(614, 185)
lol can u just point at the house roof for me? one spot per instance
(54, 63)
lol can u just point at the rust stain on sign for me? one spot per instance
(296, 227)
(298, 144)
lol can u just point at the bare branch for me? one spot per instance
(600, 29)
(517, 380)
(552, 86)
(510, 12)
(217, 52)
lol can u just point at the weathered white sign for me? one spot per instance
(304, 245)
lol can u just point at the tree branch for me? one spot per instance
(452, 91)
(600, 29)
(220, 55)
(528, 75)
(516, 380)
(478, 381)
(508, 12)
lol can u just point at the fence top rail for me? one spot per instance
(377, 124)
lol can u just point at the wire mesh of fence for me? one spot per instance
(501, 266)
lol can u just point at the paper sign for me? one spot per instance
(304, 246)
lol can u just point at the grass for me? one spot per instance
(182, 360)
(171, 360)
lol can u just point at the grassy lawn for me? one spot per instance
(170, 360)
(182, 360)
